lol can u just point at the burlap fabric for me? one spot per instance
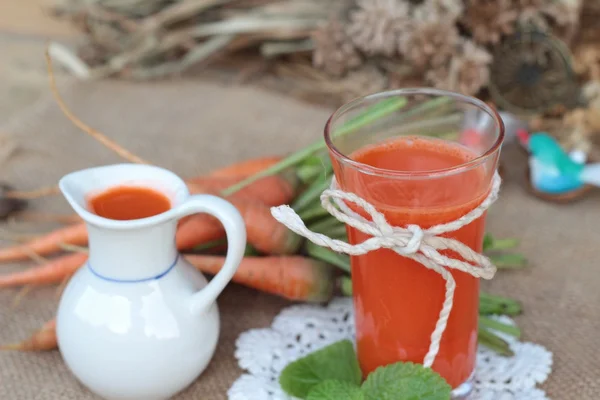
(193, 127)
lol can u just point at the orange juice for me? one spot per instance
(397, 301)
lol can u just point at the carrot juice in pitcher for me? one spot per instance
(415, 178)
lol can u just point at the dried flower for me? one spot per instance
(449, 9)
(587, 61)
(490, 20)
(564, 17)
(467, 72)
(366, 80)
(334, 52)
(376, 25)
(432, 40)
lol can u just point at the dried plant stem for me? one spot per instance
(48, 217)
(107, 15)
(33, 194)
(272, 49)
(125, 154)
(241, 25)
(21, 295)
(177, 12)
(73, 248)
(35, 256)
(194, 56)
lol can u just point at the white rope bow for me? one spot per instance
(421, 245)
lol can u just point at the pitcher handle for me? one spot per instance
(235, 230)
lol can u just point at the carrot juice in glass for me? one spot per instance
(423, 157)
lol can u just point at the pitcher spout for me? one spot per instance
(80, 187)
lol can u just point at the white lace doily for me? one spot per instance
(302, 329)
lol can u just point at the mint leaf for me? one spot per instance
(337, 361)
(335, 390)
(405, 381)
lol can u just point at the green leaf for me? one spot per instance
(505, 244)
(509, 260)
(494, 342)
(488, 241)
(337, 361)
(488, 323)
(335, 390)
(405, 381)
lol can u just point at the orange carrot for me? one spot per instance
(198, 229)
(247, 167)
(54, 271)
(75, 234)
(42, 340)
(263, 231)
(292, 277)
(272, 190)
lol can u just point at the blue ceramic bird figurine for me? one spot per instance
(552, 169)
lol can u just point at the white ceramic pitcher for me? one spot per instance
(138, 322)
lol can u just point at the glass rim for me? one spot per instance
(416, 174)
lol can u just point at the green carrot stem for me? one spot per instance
(494, 342)
(308, 173)
(313, 167)
(372, 114)
(325, 225)
(369, 115)
(311, 194)
(345, 283)
(329, 256)
(313, 212)
(287, 162)
(209, 245)
(251, 251)
(495, 325)
(339, 232)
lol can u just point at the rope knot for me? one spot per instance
(415, 241)
(426, 247)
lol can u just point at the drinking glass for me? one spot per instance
(424, 157)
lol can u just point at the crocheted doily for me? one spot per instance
(302, 329)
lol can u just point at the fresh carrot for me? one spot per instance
(263, 231)
(75, 234)
(198, 229)
(292, 277)
(272, 190)
(54, 271)
(42, 340)
(247, 167)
